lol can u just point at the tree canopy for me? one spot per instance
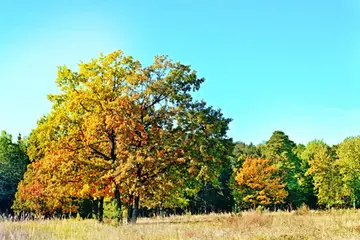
(120, 129)
(259, 184)
(13, 162)
(280, 150)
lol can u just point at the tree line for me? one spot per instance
(126, 138)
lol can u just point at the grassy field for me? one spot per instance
(339, 224)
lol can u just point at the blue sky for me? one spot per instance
(269, 65)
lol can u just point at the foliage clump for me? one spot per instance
(259, 183)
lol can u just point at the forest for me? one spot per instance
(124, 140)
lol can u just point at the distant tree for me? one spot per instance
(306, 181)
(243, 151)
(325, 172)
(280, 150)
(13, 162)
(259, 184)
(214, 196)
(348, 153)
(261, 147)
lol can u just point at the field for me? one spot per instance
(336, 224)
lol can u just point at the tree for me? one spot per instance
(13, 161)
(130, 132)
(240, 153)
(280, 150)
(214, 196)
(305, 180)
(259, 184)
(325, 173)
(243, 151)
(348, 153)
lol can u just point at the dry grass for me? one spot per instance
(339, 224)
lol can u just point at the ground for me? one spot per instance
(303, 224)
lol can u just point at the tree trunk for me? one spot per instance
(162, 212)
(96, 208)
(135, 210)
(354, 203)
(101, 209)
(118, 206)
(129, 212)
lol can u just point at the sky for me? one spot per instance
(269, 65)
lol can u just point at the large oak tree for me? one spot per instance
(120, 129)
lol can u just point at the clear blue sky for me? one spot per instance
(280, 64)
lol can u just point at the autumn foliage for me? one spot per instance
(124, 131)
(130, 134)
(259, 183)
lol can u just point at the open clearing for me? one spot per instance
(337, 224)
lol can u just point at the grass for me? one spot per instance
(337, 224)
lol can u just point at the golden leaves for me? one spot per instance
(119, 123)
(258, 181)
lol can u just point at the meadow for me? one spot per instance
(301, 224)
